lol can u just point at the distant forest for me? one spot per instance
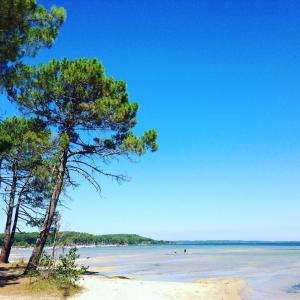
(72, 238)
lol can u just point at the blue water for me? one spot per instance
(272, 272)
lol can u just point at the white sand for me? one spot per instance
(116, 289)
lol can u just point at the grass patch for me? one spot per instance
(46, 287)
(23, 287)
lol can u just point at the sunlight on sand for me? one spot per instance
(114, 289)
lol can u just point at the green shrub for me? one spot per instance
(64, 272)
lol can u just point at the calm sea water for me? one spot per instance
(272, 272)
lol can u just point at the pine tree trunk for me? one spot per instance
(16, 218)
(14, 228)
(54, 244)
(1, 161)
(41, 241)
(5, 250)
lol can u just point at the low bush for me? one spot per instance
(64, 272)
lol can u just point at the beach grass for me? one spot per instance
(14, 284)
(46, 287)
(24, 287)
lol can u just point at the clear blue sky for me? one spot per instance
(220, 81)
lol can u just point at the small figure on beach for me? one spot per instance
(184, 251)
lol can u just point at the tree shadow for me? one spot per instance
(10, 276)
(9, 280)
(95, 273)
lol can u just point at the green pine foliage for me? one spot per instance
(25, 27)
(24, 139)
(76, 96)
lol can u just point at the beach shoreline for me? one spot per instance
(96, 287)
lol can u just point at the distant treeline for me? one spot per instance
(70, 238)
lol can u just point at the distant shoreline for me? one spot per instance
(176, 243)
(83, 246)
(82, 239)
(238, 243)
(74, 238)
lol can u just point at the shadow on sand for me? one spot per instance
(9, 276)
(94, 273)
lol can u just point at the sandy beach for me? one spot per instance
(99, 287)
(96, 287)
(113, 286)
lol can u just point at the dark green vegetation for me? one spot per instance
(25, 27)
(70, 238)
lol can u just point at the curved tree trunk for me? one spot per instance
(41, 241)
(5, 250)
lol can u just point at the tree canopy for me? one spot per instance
(22, 137)
(25, 27)
(77, 97)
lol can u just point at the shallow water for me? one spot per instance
(272, 272)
